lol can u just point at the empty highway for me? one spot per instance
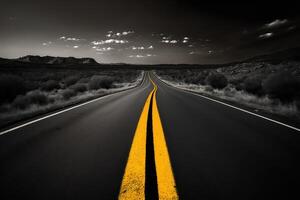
(150, 142)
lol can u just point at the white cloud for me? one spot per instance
(109, 41)
(291, 28)
(137, 48)
(118, 34)
(47, 43)
(73, 39)
(127, 32)
(136, 56)
(276, 23)
(76, 47)
(119, 41)
(140, 56)
(167, 39)
(104, 49)
(185, 40)
(70, 38)
(266, 35)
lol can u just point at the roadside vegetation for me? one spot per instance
(268, 87)
(28, 92)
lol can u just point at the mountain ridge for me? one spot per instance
(56, 60)
(292, 54)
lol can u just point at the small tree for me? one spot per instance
(216, 80)
(98, 82)
(253, 85)
(283, 86)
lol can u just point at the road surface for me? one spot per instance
(163, 135)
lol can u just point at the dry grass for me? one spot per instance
(58, 90)
(230, 93)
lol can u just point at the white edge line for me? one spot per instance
(231, 106)
(62, 111)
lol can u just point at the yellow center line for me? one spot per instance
(133, 183)
(165, 178)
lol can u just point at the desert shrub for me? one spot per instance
(68, 93)
(79, 87)
(70, 80)
(84, 80)
(33, 97)
(208, 88)
(283, 86)
(196, 78)
(50, 85)
(238, 83)
(10, 87)
(50, 76)
(216, 80)
(253, 85)
(298, 104)
(126, 76)
(98, 82)
(31, 85)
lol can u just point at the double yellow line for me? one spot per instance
(133, 183)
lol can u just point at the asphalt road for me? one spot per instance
(79, 154)
(216, 152)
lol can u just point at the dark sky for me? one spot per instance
(147, 32)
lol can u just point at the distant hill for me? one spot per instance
(56, 60)
(292, 54)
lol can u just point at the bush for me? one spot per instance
(71, 80)
(10, 87)
(50, 85)
(238, 83)
(298, 104)
(98, 82)
(84, 80)
(33, 97)
(79, 87)
(283, 86)
(197, 78)
(208, 88)
(32, 85)
(57, 76)
(253, 85)
(216, 80)
(68, 93)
